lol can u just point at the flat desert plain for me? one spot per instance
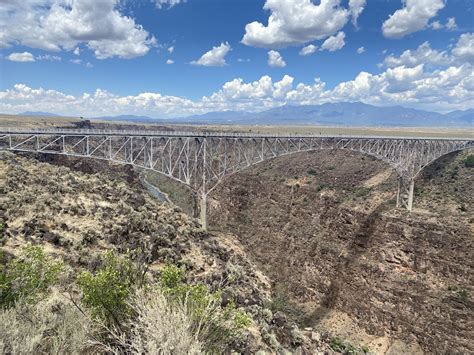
(15, 121)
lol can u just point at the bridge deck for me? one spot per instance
(195, 134)
(201, 160)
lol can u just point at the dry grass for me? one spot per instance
(13, 121)
(159, 328)
(53, 326)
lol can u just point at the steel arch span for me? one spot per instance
(202, 160)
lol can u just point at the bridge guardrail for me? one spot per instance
(212, 134)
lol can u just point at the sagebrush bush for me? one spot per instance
(106, 293)
(52, 326)
(28, 276)
(169, 316)
(159, 327)
(174, 317)
(215, 326)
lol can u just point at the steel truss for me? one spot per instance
(201, 161)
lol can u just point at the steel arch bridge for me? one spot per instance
(202, 160)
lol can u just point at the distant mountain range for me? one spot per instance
(343, 113)
(131, 118)
(38, 113)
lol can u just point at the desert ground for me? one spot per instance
(13, 121)
(308, 250)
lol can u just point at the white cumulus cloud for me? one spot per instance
(170, 3)
(215, 57)
(275, 59)
(356, 7)
(451, 24)
(294, 22)
(442, 90)
(423, 78)
(170, 61)
(461, 53)
(334, 43)
(360, 50)
(464, 48)
(309, 49)
(21, 57)
(436, 25)
(412, 17)
(56, 25)
(424, 54)
(51, 58)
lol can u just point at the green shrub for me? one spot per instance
(107, 291)
(215, 326)
(469, 161)
(339, 345)
(28, 276)
(361, 192)
(459, 292)
(172, 276)
(454, 172)
(312, 172)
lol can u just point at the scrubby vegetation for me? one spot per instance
(344, 347)
(469, 161)
(169, 287)
(28, 277)
(106, 293)
(116, 309)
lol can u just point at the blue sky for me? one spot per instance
(101, 57)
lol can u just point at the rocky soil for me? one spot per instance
(342, 258)
(314, 251)
(76, 209)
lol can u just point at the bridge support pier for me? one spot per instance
(203, 211)
(405, 193)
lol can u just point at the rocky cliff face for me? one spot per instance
(76, 209)
(311, 240)
(325, 230)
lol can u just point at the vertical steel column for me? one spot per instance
(411, 189)
(405, 193)
(399, 192)
(203, 202)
